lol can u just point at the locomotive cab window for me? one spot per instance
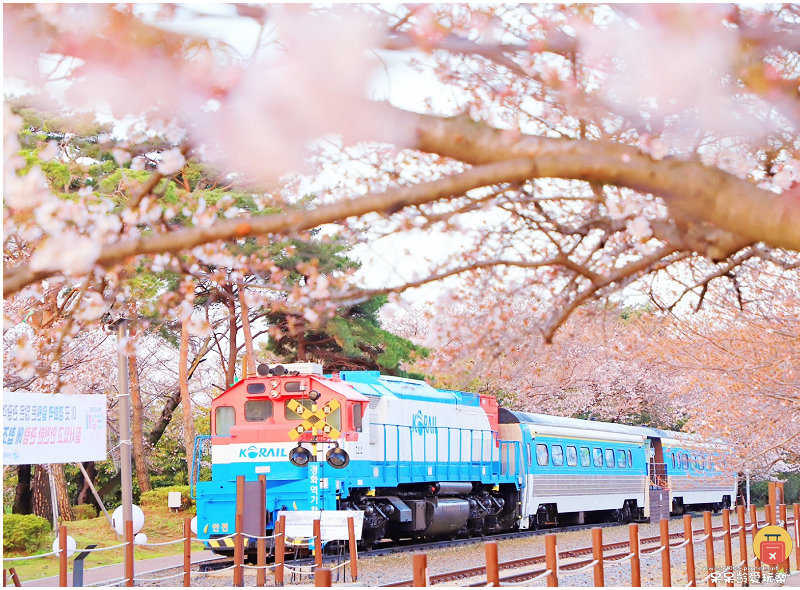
(572, 456)
(558, 455)
(257, 410)
(357, 416)
(224, 418)
(542, 456)
(622, 460)
(585, 457)
(630, 459)
(609, 457)
(597, 456)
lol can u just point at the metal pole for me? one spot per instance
(53, 496)
(125, 433)
(747, 478)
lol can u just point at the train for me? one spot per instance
(423, 463)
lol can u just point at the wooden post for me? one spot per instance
(261, 544)
(688, 535)
(129, 553)
(551, 559)
(666, 564)
(796, 511)
(742, 538)
(15, 578)
(280, 548)
(769, 514)
(353, 542)
(420, 565)
(317, 543)
(726, 543)
(597, 555)
(322, 577)
(238, 538)
(187, 552)
(784, 518)
(636, 572)
(492, 565)
(62, 555)
(5, 577)
(753, 531)
(708, 529)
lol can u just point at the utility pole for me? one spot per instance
(124, 429)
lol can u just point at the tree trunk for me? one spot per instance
(22, 495)
(40, 500)
(62, 497)
(84, 495)
(230, 372)
(248, 337)
(163, 421)
(137, 430)
(301, 347)
(186, 399)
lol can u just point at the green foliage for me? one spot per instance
(759, 491)
(157, 498)
(84, 512)
(24, 532)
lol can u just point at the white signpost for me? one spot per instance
(333, 523)
(41, 428)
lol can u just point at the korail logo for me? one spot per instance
(254, 452)
(423, 423)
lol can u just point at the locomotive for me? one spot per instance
(420, 462)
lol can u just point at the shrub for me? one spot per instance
(158, 497)
(84, 512)
(25, 532)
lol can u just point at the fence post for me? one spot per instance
(261, 544)
(317, 543)
(597, 555)
(796, 510)
(688, 535)
(753, 531)
(62, 555)
(15, 577)
(238, 537)
(636, 572)
(187, 552)
(353, 545)
(5, 577)
(666, 565)
(726, 543)
(280, 549)
(742, 539)
(492, 565)
(322, 577)
(551, 559)
(129, 573)
(784, 518)
(420, 564)
(769, 514)
(709, 531)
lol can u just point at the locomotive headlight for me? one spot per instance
(313, 395)
(299, 456)
(337, 457)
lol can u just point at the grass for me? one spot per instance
(160, 525)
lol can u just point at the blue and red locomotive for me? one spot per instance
(421, 462)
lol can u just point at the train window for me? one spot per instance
(585, 458)
(609, 457)
(630, 459)
(684, 461)
(225, 417)
(357, 409)
(708, 462)
(256, 388)
(530, 456)
(257, 410)
(692, 462)
(572, 456)
(558, 455)
(597, 455)
(622, 460)
(291, 414)
(294, 386)
(542, 457)
(673, 460)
